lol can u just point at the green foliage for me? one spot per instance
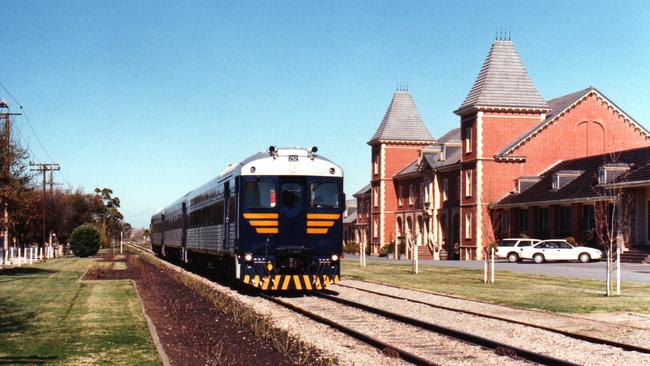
(85, 240)
(351, 247)
(387, 249)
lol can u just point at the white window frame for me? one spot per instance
(445, 189)
(411, 194)
(468, 225)
(468, 183)
(468, 140)
(375, 166)
(375, 228)
(375, 193)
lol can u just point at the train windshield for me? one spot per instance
(259, 194)
(324, 195)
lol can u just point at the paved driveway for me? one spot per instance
(630, 272)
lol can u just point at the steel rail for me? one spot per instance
(499, 347)
(385, 347)
(581, 337)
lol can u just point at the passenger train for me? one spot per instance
(272, 221)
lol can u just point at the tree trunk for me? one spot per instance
(608, 286)
(618, 270)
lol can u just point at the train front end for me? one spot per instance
(290, 224)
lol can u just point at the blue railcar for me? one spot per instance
(272, 221)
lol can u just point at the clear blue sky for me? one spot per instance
(153, 98)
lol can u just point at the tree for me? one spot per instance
(85, 240)
(107, 214)
(613, 214)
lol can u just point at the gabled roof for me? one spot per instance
(408, 170)
(452, 156)
(402, 121)
(503, 82)
(451, 136)
(585, 186)
(558, 107)
(363, 190)
(351, 218)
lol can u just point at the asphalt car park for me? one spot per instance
(631, 272)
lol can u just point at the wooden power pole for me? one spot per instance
(44, 168)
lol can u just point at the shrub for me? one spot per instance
(386, 249)
(351, 247)
(85, 240)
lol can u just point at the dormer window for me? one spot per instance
(443, 153)
(468, 140)
(609, 173)
(523, 183)
(564, 177)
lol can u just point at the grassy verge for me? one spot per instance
(558, 294)
(48, 316)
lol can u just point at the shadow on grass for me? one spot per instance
(21, 271)
(13, 319)
(27, 360)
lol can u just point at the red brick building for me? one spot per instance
(436, 193)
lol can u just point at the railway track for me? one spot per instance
(582, 337)
(413, 340)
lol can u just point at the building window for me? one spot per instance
(468, 226)
(375, 166)
(588, 218)
(458, 187)
(505, 222)
(564, 220)
(411, 194)
(468, 140)
(468, 183)
(445, 189)
(426, 193)
(400, 196)
(523, 220)
(542, 221)
(375, 194)
(375, 228)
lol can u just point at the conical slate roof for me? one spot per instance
(402, 121)
(503, 82)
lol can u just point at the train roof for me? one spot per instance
(296, 161)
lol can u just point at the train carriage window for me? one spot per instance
(259, 194)
(232, 209)
(324, 195)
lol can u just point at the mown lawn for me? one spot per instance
(558, 294)
(48, 316)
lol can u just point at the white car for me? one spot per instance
(512, 247)
(560, 250)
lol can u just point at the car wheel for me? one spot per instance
(584, 258)
(513, 257)
(538, 258)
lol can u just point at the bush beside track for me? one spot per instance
(259, 323)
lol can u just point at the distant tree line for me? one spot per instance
(66, 208)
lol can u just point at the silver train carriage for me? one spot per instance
(272, 221)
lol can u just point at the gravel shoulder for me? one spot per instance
(517, 335)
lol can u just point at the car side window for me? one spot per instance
(524, 243)
(562, 245)
(542, 246)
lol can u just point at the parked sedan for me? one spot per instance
(560, 250)
(512, 247)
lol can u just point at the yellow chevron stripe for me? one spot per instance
(317, 283)
(320, 223)
(264, 223)
(266, 230)
(247, 279)
(261, 216)
(276, 282)
(256, 279)
(336, 279)
(307, 282)
(316, 231)
(323, 216)
(326, 280)
(296, 282)
(285, 284)
(265, 285)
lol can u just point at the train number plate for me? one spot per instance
(293, 157)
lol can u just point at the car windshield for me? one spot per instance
(507, 243)
(324, 195)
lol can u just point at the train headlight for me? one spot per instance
(332, 170)
(334, 257)
(248, 257)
